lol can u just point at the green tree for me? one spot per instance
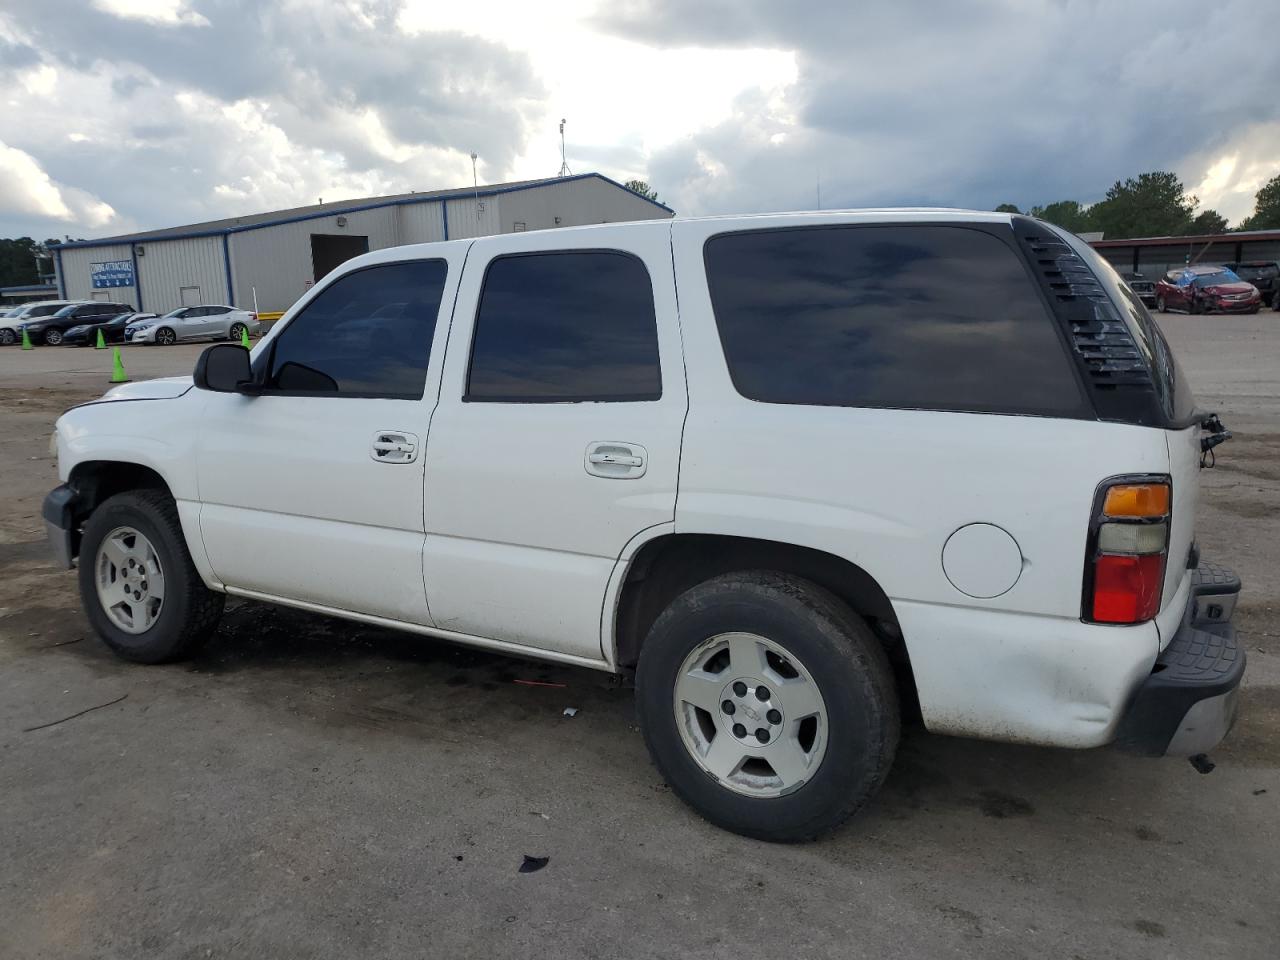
(18, 265)
(1150, 205)
(1266, 208)
(1207, 221)
(1008, 208)
(1068, 214)
(642, 187)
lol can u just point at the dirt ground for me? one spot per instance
(312, 788)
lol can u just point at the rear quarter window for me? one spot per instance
(903, 316)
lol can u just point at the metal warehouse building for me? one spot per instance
(268, 260)
(1154, 256)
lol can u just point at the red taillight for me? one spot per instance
(1127, 589)
(1124, 572)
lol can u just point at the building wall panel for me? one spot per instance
(77, 270)
(165, 267)
(277, 260)
(472, 217)
(421, 222)
(575, 202)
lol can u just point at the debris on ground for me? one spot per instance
(539, 683)
(54, 723)
(1202, 763)
(533, 864)
(570, 711)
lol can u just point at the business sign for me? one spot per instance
(116, 273)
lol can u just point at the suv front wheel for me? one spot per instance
(140, 589)
(768, 705)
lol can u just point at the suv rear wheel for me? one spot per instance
(139, 587)
(768, 705)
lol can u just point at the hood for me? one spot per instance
(1229, 288)
(166, 388)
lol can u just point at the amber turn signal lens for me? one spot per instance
(1137, 500)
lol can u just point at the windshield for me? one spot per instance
(13, 313)
(1211, 279)
(174, 313)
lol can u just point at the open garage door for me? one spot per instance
(331, 250)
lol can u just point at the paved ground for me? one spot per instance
(308, 788)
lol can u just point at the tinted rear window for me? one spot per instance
(565, 326)
(932, 317)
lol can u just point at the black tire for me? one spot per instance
(53, 337)
(8, 338)
(1161, 306)
(845, 660)
(190, 611)
(165, 337)
(235, 331)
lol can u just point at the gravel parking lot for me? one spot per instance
(313, 788)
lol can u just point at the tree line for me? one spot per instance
(1153, 205)
(18, 267)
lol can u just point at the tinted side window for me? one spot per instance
(565, 326)
(344, 341)
(931, 317)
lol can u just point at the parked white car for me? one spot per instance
(13, 319)
(936, 454)
(205, 322)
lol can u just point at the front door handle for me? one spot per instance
(621, 459)
(615, 460)
(394, 446)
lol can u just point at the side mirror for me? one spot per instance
(224, 368)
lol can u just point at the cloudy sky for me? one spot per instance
(129, 114)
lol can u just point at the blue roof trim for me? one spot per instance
(62, 289)
(321, 215)
(444, 212)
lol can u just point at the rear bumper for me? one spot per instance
(1187, 704)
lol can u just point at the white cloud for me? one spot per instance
(615, 92)
(1231, 173)
(169, 13)
(26, 190)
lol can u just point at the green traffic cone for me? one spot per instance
(244, 337)
(102, 344)
(117, 368)
(26, 339)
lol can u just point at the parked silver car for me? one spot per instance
(205, 322)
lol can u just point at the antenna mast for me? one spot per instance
(564, 164)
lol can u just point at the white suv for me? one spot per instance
(790, 470)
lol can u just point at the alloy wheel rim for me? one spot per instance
(53, 338)
(166, 337)
(129, 579)
(750, 714)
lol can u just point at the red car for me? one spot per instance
(1206, 289)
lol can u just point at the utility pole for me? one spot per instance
(564, 164)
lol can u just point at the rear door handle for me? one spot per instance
(615, 460)
(394, 446)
